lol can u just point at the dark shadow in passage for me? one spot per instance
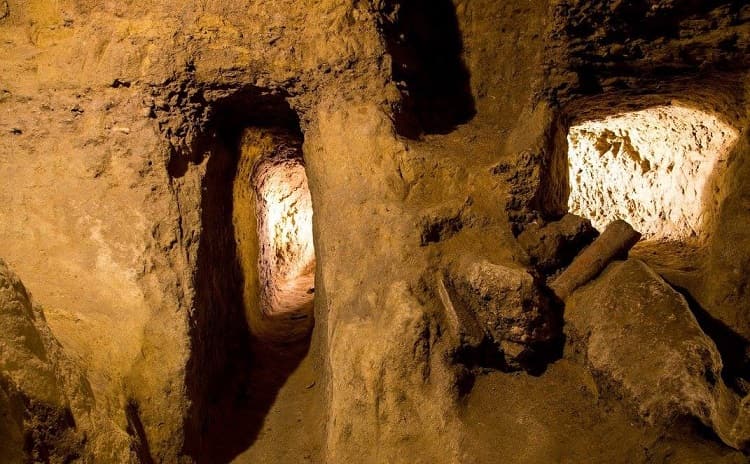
(237, 410)
(732, 346)
(135, 429)
(424, 41)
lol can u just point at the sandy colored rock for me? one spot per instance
(508, 306)
(651, 168)
(431, 131)
(641, 340)
(553, 245)
(613, 243)
(45, 400)
(272, 222)
(462, 323)
(377, 387)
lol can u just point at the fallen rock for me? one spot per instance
(462, 324)
(31, 394)
(640, 339)
(553, 245)
(508, 306)
(615, 241)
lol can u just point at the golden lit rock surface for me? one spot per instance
(167, 322)
(285, 225)
(652, 168)
(272, 219)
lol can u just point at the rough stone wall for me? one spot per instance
(111, 106)
(374, 331)
(604, 59)
(48, 406)
(652, 168)
(119, 143)
(272, 221)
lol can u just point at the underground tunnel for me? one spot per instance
(656, 168)
(288, 231)
(273, 227)
(256, 278)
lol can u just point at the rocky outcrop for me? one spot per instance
(614, 46)
(45, 400)
(33, 393)
(509, 307)
(376, 387)
(553, 245)
(641, 340)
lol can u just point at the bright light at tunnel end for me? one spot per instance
(287, 254)
(649, 167)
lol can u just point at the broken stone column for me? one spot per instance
(614, 242)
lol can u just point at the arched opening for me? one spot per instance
(670, 170)
(250, 337)
(653, 167)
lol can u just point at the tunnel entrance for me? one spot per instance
(273, 227)
(654, 168)
(669, 171)
(251, 325)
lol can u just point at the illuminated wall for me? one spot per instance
(272, 219)
(287, 255)
(650, 167)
